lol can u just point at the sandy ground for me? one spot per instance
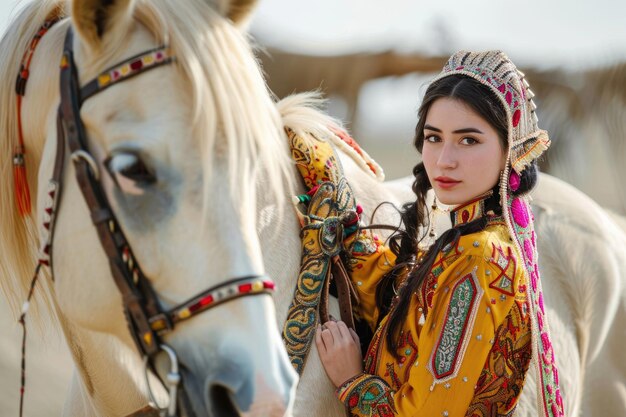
(48, 367)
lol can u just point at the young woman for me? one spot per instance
(455, 325)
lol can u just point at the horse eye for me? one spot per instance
(130, 172)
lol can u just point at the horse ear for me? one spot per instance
(239, 11)
(93, 19)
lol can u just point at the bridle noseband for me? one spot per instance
(147, 320)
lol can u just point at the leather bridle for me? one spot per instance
(148, 322)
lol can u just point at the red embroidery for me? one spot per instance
(507, 266)
(516, 117)
(500, 383)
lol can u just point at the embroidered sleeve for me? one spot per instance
(369, 261)
(367, 395)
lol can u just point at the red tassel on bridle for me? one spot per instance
(22, 191)
(20, 179)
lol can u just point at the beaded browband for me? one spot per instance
(127, 69)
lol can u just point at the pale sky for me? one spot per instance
(532, 32)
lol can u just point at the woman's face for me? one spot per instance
(462, 152)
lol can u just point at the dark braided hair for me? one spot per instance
(404, 242)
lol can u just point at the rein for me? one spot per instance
(148, 322)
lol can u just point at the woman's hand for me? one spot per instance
(339, 350)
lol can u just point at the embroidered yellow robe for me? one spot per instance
(464, 348)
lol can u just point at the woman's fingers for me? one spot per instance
(321, 347)
(356, 340)
(349, 336)
(334, 335)
(327, 336)
(334, 330)
(355, 337)
(339, 353)
(343, 329)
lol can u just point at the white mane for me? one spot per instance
(19, 240)
(301, 113)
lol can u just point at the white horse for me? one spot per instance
(209, 127)
(194, 123)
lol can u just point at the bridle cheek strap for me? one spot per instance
(111, 237)
(146, 319)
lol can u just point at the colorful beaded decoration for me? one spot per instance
(494, 70)
(212, 298)
(129, 68)
(22, 191)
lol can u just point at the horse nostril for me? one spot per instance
(221, 400)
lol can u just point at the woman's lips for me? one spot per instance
(446, 183)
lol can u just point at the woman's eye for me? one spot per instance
(468, 141)
(130, 172)
(431, 138)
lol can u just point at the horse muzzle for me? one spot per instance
(232, 362)
(233, 387)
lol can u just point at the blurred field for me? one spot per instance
(378, 95)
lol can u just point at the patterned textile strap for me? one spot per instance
(346, 143)
(330, 209)
(521, 221)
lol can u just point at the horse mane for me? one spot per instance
(302, 113)
(234, 116)
(19, 238)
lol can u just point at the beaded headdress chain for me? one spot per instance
(526, 142)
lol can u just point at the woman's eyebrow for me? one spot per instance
(464, 130)
(429, 127)
(468, 130)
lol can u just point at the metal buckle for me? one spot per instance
(85, 156)
(171, 382)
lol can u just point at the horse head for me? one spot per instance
(177, 153)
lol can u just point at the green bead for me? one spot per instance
(304, 198)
